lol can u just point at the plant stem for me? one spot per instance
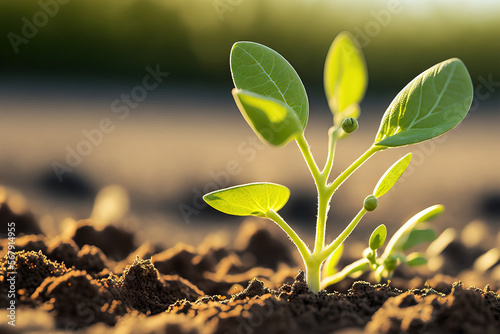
(321, 187)
(341, 238)
(313, 267)
(313, 275)
(359, 265)
(314, 260)
(352, 168)
(306, 152)
(323, 206)
(299, 243)
(332, 140)
(323, 196)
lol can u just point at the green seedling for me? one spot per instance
(273, 100)
(413, 233)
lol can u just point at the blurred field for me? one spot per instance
(192, 39)
(172, 148)
(188, 138)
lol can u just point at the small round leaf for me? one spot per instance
(377, 237)
(253, 199)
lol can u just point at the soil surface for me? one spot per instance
(98, 281)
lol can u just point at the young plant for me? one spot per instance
(272, 99)
(413, 233)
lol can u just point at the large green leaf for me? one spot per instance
(261, 70)
(253, 199)
(272, 120)
(431, 104)
(345, 75)
(391, 176)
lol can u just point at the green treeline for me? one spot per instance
(191, 39)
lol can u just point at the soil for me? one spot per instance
(97, 281)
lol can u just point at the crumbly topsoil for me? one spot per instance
(82, 283)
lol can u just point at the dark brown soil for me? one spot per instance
(95, 282)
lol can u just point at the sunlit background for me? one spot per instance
(68, 68)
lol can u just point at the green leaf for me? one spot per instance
(416, 259)
(333, 260)
(431, 104)
(417, 237)
(261, 70)
(253, 199)
(272, 120)
(399, 238)
(391, 176)
(345, 74)
(377, 238)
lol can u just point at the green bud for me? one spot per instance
(349, 125)
(371, 203)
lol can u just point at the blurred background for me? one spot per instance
(136, 93)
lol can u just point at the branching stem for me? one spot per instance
(314, 260)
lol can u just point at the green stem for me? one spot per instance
(306, 152)
(352, 168)
(321, 186)
(341, 238)
(359, 265)
(299, 243)
(332, 140)
(313, 275)
(325, 192)
(323, 206)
